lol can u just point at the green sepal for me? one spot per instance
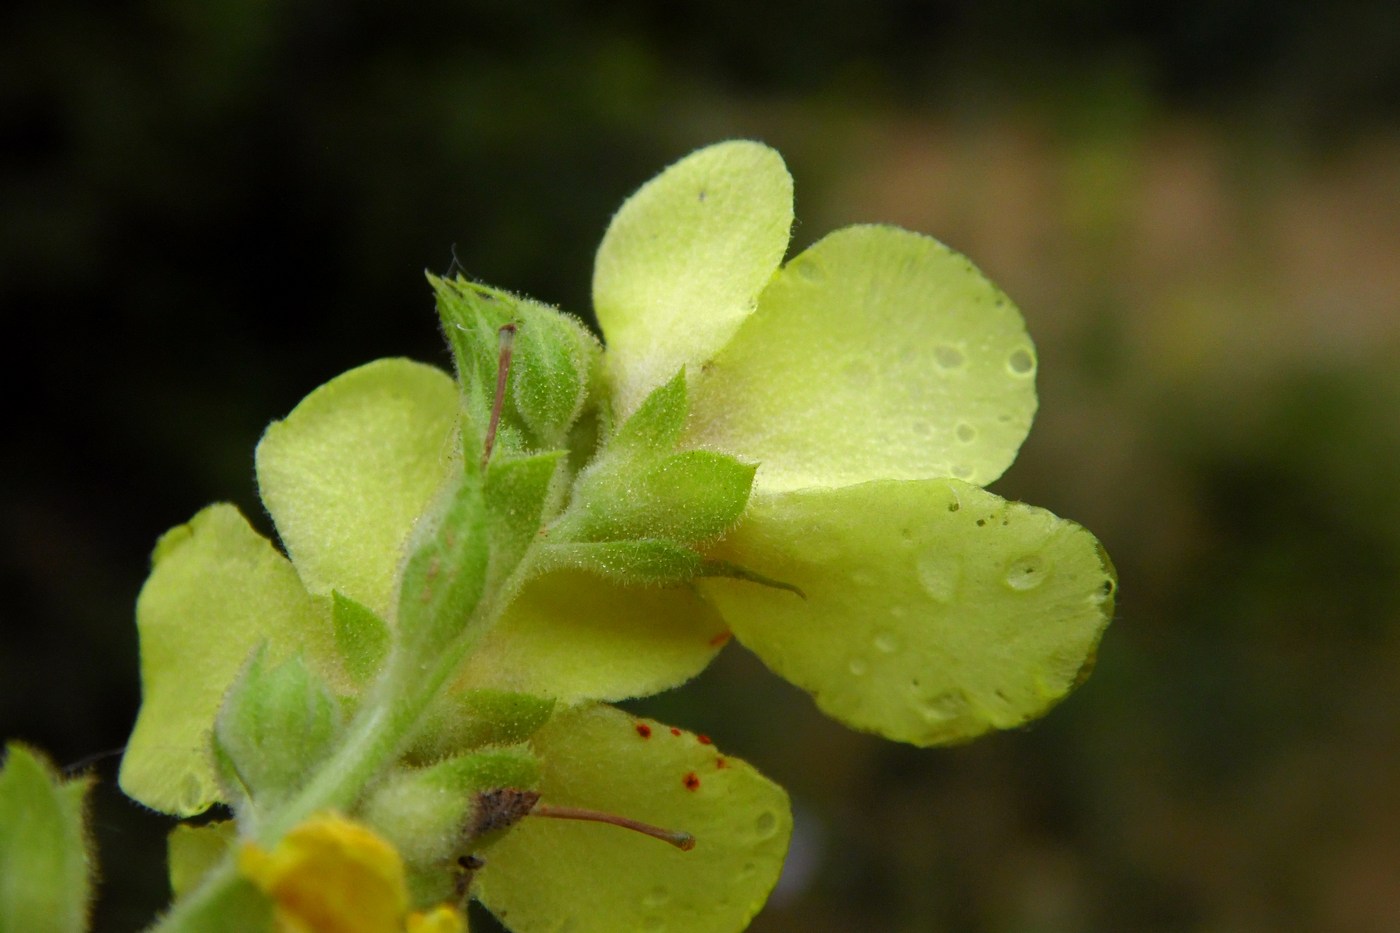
(645, 562)
(638, 488)
(361, 637)
(520, 494)
(277, 722)
(553, 362)
(657, 425)
(459, 721)
(504, 766)
(425, 812)
(193, 850)
(45, 883)
(445, 574)
(584, 437)
(685, 497)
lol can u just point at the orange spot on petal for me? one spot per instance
(644, 730)
(691, 781)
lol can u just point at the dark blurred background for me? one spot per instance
(209, 208)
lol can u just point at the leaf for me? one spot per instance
(685, 497)
(445, 574)
(657, 424)
(643, 562)
(194, 850)
(519, 493)
(216, 590)
(875, 354)
(548, 874)
(468, 719)
(277, 722)
(362, 638)
(684, 259)
(573, 636)
(935, 610)
(45, 883)
(348, 473)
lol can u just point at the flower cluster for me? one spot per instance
(792, 454)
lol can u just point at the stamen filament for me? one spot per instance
(681, 840)
(507, 338)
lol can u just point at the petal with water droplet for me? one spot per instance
(1000, 604)
(549, 874)
(900, 361)
(684, 260)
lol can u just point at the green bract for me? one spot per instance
(791, 454)
(277, 721)
(45, 876)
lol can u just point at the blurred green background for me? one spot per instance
(209, 208)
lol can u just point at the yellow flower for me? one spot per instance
(332, 875)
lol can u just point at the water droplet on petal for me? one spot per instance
(191, 792)
(948, 356)
(810, 271)
(886, 642)
(766, 824)
(940, 575)
(941, 707)
(1021, 362)
(1026, 573)
(656, 897)
(961, 470)
(966, 433)
(858, 666)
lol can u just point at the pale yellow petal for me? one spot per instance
(875, 354)
(574, 636)
(684, 260)
(934, 610)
